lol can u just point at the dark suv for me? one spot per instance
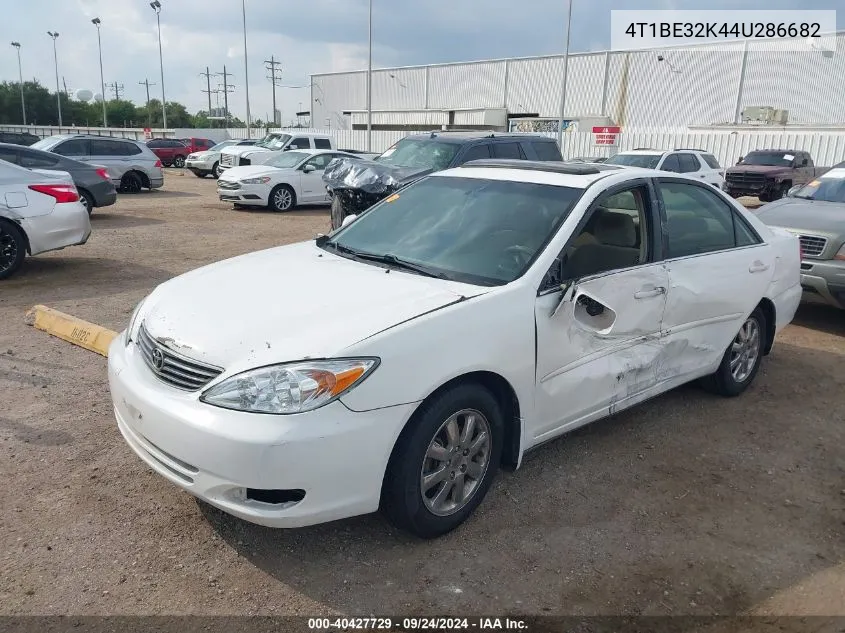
(356, 184)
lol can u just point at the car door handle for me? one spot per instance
(758, 267)
(647, 293)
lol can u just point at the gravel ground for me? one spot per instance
(688, 504)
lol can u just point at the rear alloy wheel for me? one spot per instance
(86, 199)
(216, 171)
(131, 182)
(282, 198)
(444, 462)
(742, 358)
(12, 249)
(179, 162)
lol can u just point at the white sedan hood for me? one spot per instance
(241, 149)
(286, 304)
(254, 171)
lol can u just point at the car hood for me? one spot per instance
(204, 154)
(771, 170)
(369, 176)
(237, 150)
(805, 215)
(253, 171)
(287, 303)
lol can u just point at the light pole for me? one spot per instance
(17, 45)
(96, 22)
(156, 6)
(56, 61)
(563, 87)
(370, 85)
(246, 70)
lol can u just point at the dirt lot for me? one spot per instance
(689, 504)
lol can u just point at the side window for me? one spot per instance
(689, 163)
(33, 160)
(711, 161)
(322, 143)
(106, 148)
(476, 152)
(9, 155)
(671, 163)
(507, 150)
(129, 149)
(153, 144)
(613, 238)
(698, 221)
(546, 150)
(301, 143)
(73, 147)
(321, 161)
(809, 161)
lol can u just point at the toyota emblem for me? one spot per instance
(158, 359)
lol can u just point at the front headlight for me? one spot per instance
(291, 387)
(263, 180)
(132, 320)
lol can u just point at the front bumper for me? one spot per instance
(338, 457)
(257, 195)
(200, 166)
(67, 225)
(747, 189)
(823, 282)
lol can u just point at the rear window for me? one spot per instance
(73, 147)
(711, 161)
(507, 150)
(689, 163)
(546, 150)
(322, 143)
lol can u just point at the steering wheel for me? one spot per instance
(518, 257)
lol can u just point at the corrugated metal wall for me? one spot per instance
(827, 149)
(690, 87)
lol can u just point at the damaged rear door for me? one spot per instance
(599, 334)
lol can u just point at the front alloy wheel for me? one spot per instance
(281, 198)
(455, 462)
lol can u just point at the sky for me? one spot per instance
(307, 37)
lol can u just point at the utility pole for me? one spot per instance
(117, 89)
(246, 71)
(225, 88)
(56, 60)
(208, 75)
(275, 77)
(17, 45)
(146, 83)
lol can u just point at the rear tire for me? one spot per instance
(742, 359)
(86, 199)
(12, 248)
(131, 183)
(200, 174)
(458, 467)
(179, 162)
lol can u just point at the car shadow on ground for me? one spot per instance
(690, 503)
(164, 193)
(105, 220)
(309, 211)
(821, 317)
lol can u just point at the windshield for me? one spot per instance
(647, 161)
(483, 232)
(825, 189)
(220, 146)
(287, 159)
(273, 141)
(770, 159)
(45, 143)
(421, 153)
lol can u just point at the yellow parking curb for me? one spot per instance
(69, 328)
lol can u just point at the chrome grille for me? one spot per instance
(226, 184)
(746, 178)
(227, 159)
(812, 245)
(174, 369)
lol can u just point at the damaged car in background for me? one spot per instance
(355, 185)
(481, 312)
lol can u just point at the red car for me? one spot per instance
(197, 144)
(173, 152)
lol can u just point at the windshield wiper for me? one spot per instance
(388, 258)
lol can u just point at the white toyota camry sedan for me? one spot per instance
(286, 180)
(399, 362)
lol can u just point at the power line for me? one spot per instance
(275, 76)
(225, 88)
(116, 88)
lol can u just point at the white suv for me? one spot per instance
(696, 163)
(264, 149)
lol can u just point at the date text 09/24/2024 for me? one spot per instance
(417, 624)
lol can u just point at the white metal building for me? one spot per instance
(709, 84)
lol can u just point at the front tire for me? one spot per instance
(444, 461)
(282, 198)
(12, 248)
(742, 359)
(216, 171)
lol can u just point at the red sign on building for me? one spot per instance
(606, 135)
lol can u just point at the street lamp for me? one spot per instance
(370, 86)
(156, 6)
(17, 45)
(246, 70)
(96, 22)
(563, 87)
(56, 60)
